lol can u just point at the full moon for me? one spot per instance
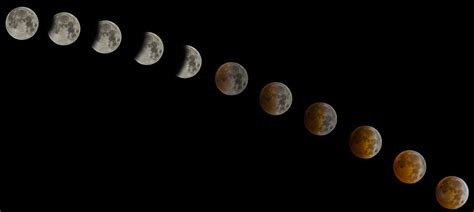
(452, 192)
(22, 23)
(108, 37)
(231, 78)
(409, 166)
(320, 118)
(275, 98)
(191, 64)
(365, 142)
(65, 29)
(151, 51)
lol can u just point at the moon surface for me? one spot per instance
(192, 63)
(22, 23)
(452, 192)
(275, 98)
(320, 118)
(151, 51)
(231, 78)
(365, 142)
(409, 166)
(108, 37)
(65, 29)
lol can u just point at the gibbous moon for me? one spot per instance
(151, 51)
(320, 118)
(231, 78)
(275, 98)
(65, 29)
(108, 37)
(192, 63)
(409, 166)
(452, 192)
(365, 142)
(22, 23)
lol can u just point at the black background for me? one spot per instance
(82, 130)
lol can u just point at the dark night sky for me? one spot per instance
(85, 130)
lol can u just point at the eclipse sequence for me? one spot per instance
(231, 79)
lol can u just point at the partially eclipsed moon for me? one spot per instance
(108, 37)
(365, 142)
(65, 29)
(409, 166)
(320, 118)
(151, 51)
(192, 63)
(275, 98)
(452, 192)
(231, 78)
(22, 23)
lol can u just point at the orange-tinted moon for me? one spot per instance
(409, 166)
(275, 98)
(452, 192)
(320, 118)
(231, 78)
(365, 142)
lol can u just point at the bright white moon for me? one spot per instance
(191, 64)
(22, 23)
(151, 51)
(65, 29)
(108, 37)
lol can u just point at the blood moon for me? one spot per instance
(365, 142)
(409, 166)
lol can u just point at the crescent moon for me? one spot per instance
(151, 51)
(192, 63)
(108, 37)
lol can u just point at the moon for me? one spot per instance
(151, 51)
(320, 119)
(22, 23)
(409, 166)
(192, 63)
(231, 78)
(275, 98)
(365, 142)
(452, 192)
(65, 29)
(108, 37)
